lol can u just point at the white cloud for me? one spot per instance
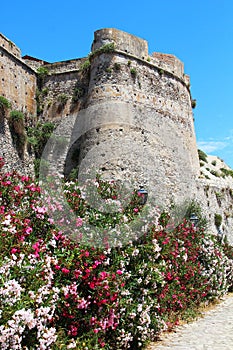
(211, 146)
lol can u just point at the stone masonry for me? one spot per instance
(133, 117)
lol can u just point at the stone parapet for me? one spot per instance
(9, 46)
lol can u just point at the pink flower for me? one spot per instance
(36, 248)
(34, 188)
(96, 264)
(73, 330)
(57, 267)
(65, 270)
(102, 343)
(14, 250)
(41, 210)
(25, 178)
(119, 272)
(2, 208)
(169, 276)
(135, 210)
(103, 274)
(77, 273)
(79, 222)
(59, 236)
(92, 285)
(166, 241)
(92, 321)
(28, 230)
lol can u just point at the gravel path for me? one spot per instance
(212, 332)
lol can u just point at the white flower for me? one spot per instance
(139, 307)
(11, 292)
(7, 220)
(135, 252)
(72, 345)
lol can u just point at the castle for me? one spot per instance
(134, 117)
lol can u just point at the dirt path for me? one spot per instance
(212, 332)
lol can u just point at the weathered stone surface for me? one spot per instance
(134, 119)
(17, 80)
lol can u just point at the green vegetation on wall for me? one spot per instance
(133, 72)
(227, 172)
(38, 136)
(42, 73)
(85, 65)
(62, 99)
(4, 103)
(18, 132)
(202, 156)
(103, 49)
(78, 92)
(217, 220)
(37, 139)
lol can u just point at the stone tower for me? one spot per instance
(134, 119)
(132, 115)
(137, 124)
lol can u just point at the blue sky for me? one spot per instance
(199, 32)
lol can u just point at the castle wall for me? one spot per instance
(32, 62)
(134, 120)
(17, 80)
(65, 66)
(8, 150)
(123, 41)
(139, 121)
(18, 85)
(216, 197)
(9, 46)
(63, 93)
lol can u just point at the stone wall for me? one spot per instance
(18, 85)
(9, 46)
(65, 66)
(9, 151)
(141, 117)
(132, 116)
(123, 41)
(216, 197)
(215, 194)
(17, 82)
(63, 93)
(33, 63)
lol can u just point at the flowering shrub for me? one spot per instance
(196, 270)
(56, 293)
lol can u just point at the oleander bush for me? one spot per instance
(61, 293)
